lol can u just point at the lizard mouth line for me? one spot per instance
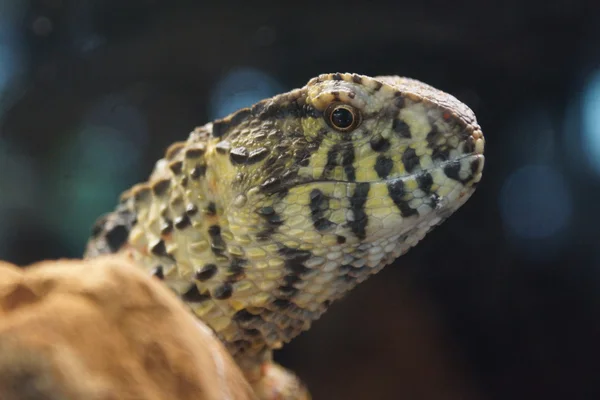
(395, 178)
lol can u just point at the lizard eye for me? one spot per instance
(342, 117)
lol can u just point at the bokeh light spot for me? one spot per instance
(591, 122)
(241, 88)
(11, 49)
(535, 202)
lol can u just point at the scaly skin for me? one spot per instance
(260, 220)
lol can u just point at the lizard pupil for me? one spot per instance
(343, 118)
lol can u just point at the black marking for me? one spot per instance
(344, 269)
(273, 221)
(294, 254)
(302, 156)
(294, 260)
(282, 147)
(378, 86)
(319, 203)
(332, 161)
(220, 127)
(258, 108)
(245, 317)
(211, 208)
(176, 167)
(116, 237)
(440, 154)
(238, 155)
(336, 76)
(252, 332)
(309, 111)
(198, 171)
(383, 166)
(289, 175)
(322, 224)
(217, 243)
(282, 304)
(469, 146)
(396, 192)
(206, 272)
(257, 155)
(159, 272)
(285, 292)
(341, 239)
(433, 136)
(191, 209)
(425, 181)
(357, 205)
(98, 226)
(214, 230)
(357, 79)
(265, 211)
(223, 291)
(345, 151)
(401, 128)
(193, 295)
(271, 185)
(236, 270)
(452, 171)
(410, 159)
(174, 149)
(379, 144)
(348, 161)
(270, 111)
(475, 165)
(115, 228)
(399, 100)
(193, 153)
(159, 249)
(434, 201)
(184, 181)
(166, 226)
(182, 222)
(291, 279)
(282, 108)
(160, 187)
(239, 117)
(266, 233)
(141, 194)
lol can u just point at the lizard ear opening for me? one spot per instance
(342, 117)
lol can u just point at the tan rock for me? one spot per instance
(101, 329)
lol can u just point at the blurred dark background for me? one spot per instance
(500, 302)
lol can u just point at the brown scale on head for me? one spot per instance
(262, 219)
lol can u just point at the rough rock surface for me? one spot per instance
(100, 330)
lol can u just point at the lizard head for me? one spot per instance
(349, 158)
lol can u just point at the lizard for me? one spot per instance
(261, 219)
